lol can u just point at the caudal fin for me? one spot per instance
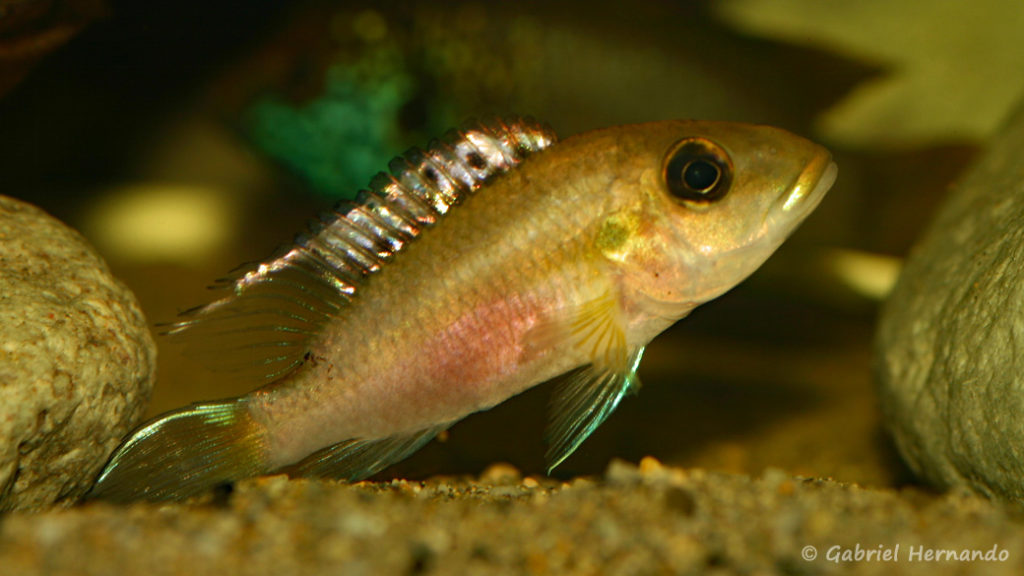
(183, 453)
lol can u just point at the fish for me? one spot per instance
(492, 260)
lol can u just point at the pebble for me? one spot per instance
(77, 360)
(500, 474)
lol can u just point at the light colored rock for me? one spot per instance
(76, 360)
(950, 346)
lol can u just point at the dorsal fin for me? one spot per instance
(262, 329)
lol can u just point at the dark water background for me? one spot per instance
(273, 111)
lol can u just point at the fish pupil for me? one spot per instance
(697, 171)
(700, 175)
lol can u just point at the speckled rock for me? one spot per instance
(76, 360)
(950, 346)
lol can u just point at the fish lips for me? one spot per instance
(807, 192)
(783, 217)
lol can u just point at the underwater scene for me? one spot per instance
(545, 288)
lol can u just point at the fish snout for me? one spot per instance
(809, 188)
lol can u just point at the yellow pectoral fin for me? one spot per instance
(594, 329)
(588, 395)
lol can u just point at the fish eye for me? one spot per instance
(697, 171)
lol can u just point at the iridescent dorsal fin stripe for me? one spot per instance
(262, 329)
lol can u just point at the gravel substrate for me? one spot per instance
(645, 519)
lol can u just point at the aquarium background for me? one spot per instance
(186, 139)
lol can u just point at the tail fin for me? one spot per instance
(183, 453)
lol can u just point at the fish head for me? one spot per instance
(710, 202)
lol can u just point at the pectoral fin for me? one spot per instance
(588, 395)
(595, 329)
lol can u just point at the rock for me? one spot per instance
(77, 360)
(950, 344)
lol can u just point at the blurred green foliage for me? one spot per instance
(952, 70)
(340, 139)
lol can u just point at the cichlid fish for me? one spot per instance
(488, 263)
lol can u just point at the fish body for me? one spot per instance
(495, 260)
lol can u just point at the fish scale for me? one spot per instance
(491, 261)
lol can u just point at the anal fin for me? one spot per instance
(354, 460)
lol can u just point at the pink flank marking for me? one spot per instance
(476, 362)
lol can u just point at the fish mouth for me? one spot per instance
(810, 187)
